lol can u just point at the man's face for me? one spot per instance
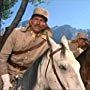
(81, 43)
(37, 24)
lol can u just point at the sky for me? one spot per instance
(71, 12)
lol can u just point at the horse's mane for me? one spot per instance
(30, 76)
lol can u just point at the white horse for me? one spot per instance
(58, 70)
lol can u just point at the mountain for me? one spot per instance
(68, 31)
(23, 23)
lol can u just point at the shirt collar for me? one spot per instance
(23, 29)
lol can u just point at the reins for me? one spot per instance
(51, 54)
(53, 66)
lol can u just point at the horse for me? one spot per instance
(84, 60)
(57, 69)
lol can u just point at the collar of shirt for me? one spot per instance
(80, 50)
(34, 35)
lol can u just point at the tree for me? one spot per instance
(1, 4)
(5, 6)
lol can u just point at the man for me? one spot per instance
(23, 47)
(78, 45)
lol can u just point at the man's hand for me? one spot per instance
(6, 82)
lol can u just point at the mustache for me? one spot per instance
(37, 26)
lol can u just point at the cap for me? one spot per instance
(41, 11)
(81, 35)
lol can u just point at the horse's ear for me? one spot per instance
(64, 40)
(52, 43)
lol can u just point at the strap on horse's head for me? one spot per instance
(49, 44)
(47, 37)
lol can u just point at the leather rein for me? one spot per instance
(53, 66)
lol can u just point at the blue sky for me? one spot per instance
(72, 12)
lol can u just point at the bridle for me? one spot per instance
(53, 66)
(54, 52)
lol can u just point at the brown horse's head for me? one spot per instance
(84, 59)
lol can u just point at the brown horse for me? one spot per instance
(84, 60)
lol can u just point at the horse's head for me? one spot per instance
(62, 53)
(63, 64)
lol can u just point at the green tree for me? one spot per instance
(5, 12)
(6, 8)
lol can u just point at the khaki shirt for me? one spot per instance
(74, 48)
(19, 40)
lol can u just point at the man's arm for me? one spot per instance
(4, 55)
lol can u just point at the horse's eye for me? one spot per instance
(62, 67)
